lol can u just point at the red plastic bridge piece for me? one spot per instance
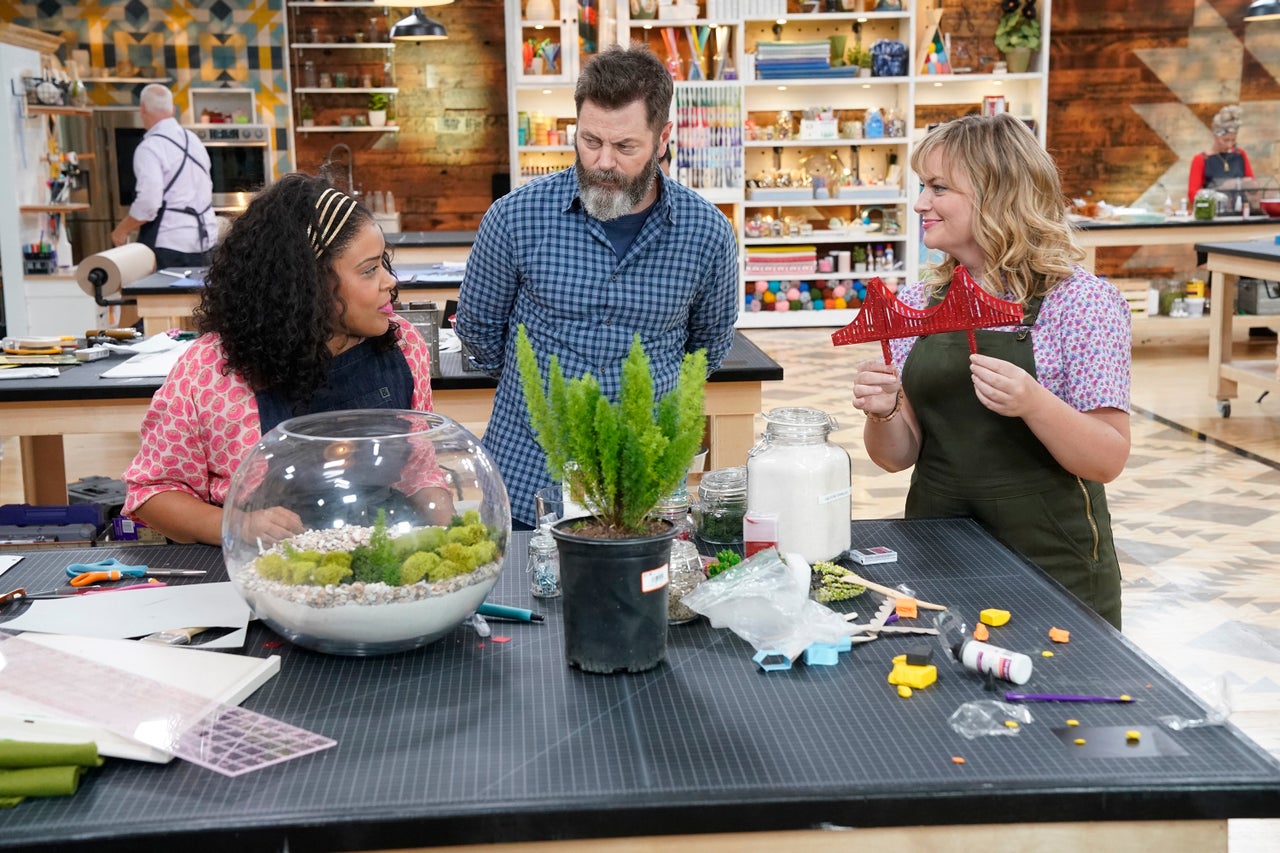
(965, 307)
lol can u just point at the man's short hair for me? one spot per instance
(619, 76)
(156, 99)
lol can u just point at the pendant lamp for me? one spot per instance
(1263, 10)
(416, 27)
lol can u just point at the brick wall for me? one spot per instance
(452, 112)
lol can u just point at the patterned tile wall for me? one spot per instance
(194, 43)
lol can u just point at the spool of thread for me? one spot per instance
(844, 261)
(1002, 663)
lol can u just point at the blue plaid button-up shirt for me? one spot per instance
(540, 260)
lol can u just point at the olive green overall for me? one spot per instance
(974, 462)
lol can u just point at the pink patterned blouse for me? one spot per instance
(1081, 341)
(202, 422)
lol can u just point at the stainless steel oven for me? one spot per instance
(239, 161)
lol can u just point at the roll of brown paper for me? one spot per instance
(115, 268)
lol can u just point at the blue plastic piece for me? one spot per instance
(822, 654)
(771, 660)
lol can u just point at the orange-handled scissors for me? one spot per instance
(111, 569)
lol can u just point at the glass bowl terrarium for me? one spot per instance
(367, 531)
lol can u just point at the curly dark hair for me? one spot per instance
(268, 296)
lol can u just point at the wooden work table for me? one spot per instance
(1174, 231)
(165, 301)
(80, 401)
(1227, 263)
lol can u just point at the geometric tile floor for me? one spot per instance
(1197, 530)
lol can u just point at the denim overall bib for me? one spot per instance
(360, 378)
(974, 462)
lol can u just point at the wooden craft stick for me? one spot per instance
(889, 591)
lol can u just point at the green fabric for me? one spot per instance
(976, 463)
(19, 753)
(42, 769)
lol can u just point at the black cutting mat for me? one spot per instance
(474, 740)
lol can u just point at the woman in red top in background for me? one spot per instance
(1225, 162)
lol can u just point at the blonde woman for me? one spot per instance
(1022, 435)
(1225, 162)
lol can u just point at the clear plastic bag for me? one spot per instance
(1216, 695)
(765, 601)
(989, 717)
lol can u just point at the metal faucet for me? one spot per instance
(327, 168)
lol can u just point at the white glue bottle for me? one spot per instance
(1002, 663)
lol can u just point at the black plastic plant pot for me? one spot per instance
(615, 600)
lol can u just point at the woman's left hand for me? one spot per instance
(1002, 386)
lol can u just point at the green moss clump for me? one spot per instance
(418, 566)
(432, 554)
(330, 573)
(426, 539)
(299, 571)
(273, 566)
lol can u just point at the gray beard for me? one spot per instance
(609, 203)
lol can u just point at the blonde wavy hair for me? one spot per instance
(1020, 221)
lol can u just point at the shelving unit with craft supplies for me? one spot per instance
(41, 296)
(776, 122)
(340, 59)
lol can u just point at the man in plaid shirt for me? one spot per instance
(589, 256)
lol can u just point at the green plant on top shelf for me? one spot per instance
(1020, 26)
(306, 112)
(857, 56)
(379, 101)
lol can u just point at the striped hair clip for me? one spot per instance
(333, 209)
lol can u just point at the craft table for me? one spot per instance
(80, 401)
(470, 741)
(1227, 262)
(1091, 234)
(164, 303)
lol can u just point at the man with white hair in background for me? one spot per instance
(173, 205)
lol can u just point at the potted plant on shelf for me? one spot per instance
(1018, 33)
(619, 459)
(378, 103)
(859, 258)
(859, 57)
(307, 114)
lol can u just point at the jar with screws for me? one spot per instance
(543, 565)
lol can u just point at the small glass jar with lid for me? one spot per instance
(685, 564)
(722, 501)
(543, 565)
(309, 78)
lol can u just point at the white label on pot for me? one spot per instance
(834, 496)
(654, 579)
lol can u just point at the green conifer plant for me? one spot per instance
(619, 458)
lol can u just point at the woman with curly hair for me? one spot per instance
(1022, 435)
(295, 318)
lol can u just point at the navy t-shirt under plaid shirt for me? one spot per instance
(540, 260)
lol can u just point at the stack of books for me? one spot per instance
(777, 60)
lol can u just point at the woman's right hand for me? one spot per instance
(271, 525)
(876, 387)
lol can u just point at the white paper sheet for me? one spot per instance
(138, 612)
(149, 363)
(29, 373)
